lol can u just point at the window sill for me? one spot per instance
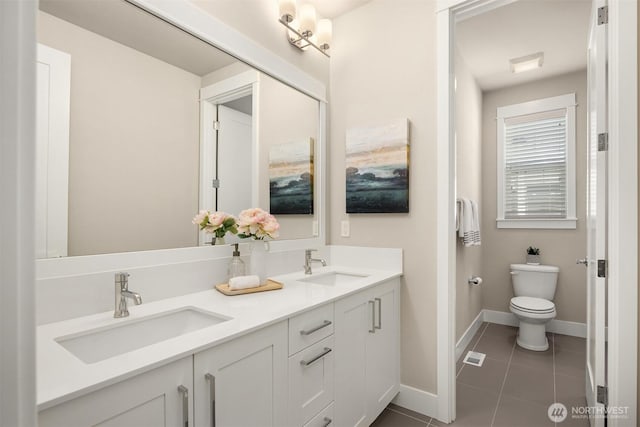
(569, 223)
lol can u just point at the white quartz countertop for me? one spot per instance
(61, 376)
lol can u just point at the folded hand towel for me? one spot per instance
(468, 222)
(244, 282)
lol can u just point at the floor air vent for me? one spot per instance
(474, 358)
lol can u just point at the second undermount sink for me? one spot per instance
(109, 341)
(333, 278)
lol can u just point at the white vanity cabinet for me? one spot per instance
(151, 399)
(367, 359)
(244, 381)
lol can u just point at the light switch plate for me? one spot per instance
(345, 229)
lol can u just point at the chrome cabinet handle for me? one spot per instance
(327, 421)
(379, 314)
(372, 304)
(185, 404)
(212, 396)
(317, 328)
(326, 351)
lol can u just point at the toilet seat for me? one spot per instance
(532, 305)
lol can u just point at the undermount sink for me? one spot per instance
(332, 278)
(109, 341)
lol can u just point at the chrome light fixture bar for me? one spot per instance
(303, 31)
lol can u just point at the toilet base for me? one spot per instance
(533, 336)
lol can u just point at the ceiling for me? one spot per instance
(559, 28)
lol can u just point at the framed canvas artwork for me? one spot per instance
(377, 161)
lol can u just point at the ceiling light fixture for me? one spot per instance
(527, 63)
(303, 29)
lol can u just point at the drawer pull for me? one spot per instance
(379, 301)
(317, 328)
(185, 404)
(326, 351)
(212, 395)
(372, 304)
(327, 421)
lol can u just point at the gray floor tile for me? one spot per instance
(494, 329)
(474, 407)
(567, 343)
(569, 389)
(409, 412)
(530, 384)
(533, 359)
(389, 418)
(570, 363)
(513, 412)
(489, 376)
(497, 347)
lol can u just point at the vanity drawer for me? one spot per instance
(323, 419)
(310, 327)
(310, 381)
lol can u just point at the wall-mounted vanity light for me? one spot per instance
(304, 29)
(527, 63)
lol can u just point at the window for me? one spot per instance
(536, 164)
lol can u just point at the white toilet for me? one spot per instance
(534, 287)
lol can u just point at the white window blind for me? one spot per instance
(536, 148)
(535, 169)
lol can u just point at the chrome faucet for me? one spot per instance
(308, 260)
(122, 293)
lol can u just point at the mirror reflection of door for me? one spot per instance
(235, 172)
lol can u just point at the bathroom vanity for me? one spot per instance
(324, 349)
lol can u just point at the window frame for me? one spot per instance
(568, 102)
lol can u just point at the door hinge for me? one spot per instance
(215, 183)
(216, 125)
(603, 15)
(602, 394)
(603, 141)
(602, 268)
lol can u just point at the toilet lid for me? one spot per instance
(533, 305)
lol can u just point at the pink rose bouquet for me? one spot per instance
(257, 224)
(218, 223)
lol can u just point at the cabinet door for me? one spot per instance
(353, 321)
(150, 399)
(243, 382)
(383, 349)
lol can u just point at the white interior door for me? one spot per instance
(53, 92)
(235, 173)
(596, 214)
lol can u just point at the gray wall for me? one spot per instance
(558, 247)
(383, 67)
(468, 119)
(134, 145)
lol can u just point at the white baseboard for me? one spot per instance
(420, 401)
(564, 327)
(468, 335)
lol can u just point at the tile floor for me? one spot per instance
(514, 387)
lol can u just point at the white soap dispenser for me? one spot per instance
(236, 266)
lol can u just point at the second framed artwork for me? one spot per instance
(377, 168)
(291, 178)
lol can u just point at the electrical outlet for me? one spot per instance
(314, 228)
(344, 229)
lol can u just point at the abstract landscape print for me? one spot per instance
(291, 178)
(378, 168)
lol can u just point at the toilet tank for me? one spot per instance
(537, 281)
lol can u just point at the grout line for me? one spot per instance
(473, 348)
(427, 423)
(504, 381)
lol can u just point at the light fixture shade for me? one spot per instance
(307, 20)
(287, 10)
(527, 63)
(324, 32)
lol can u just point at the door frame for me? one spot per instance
(622, 206)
